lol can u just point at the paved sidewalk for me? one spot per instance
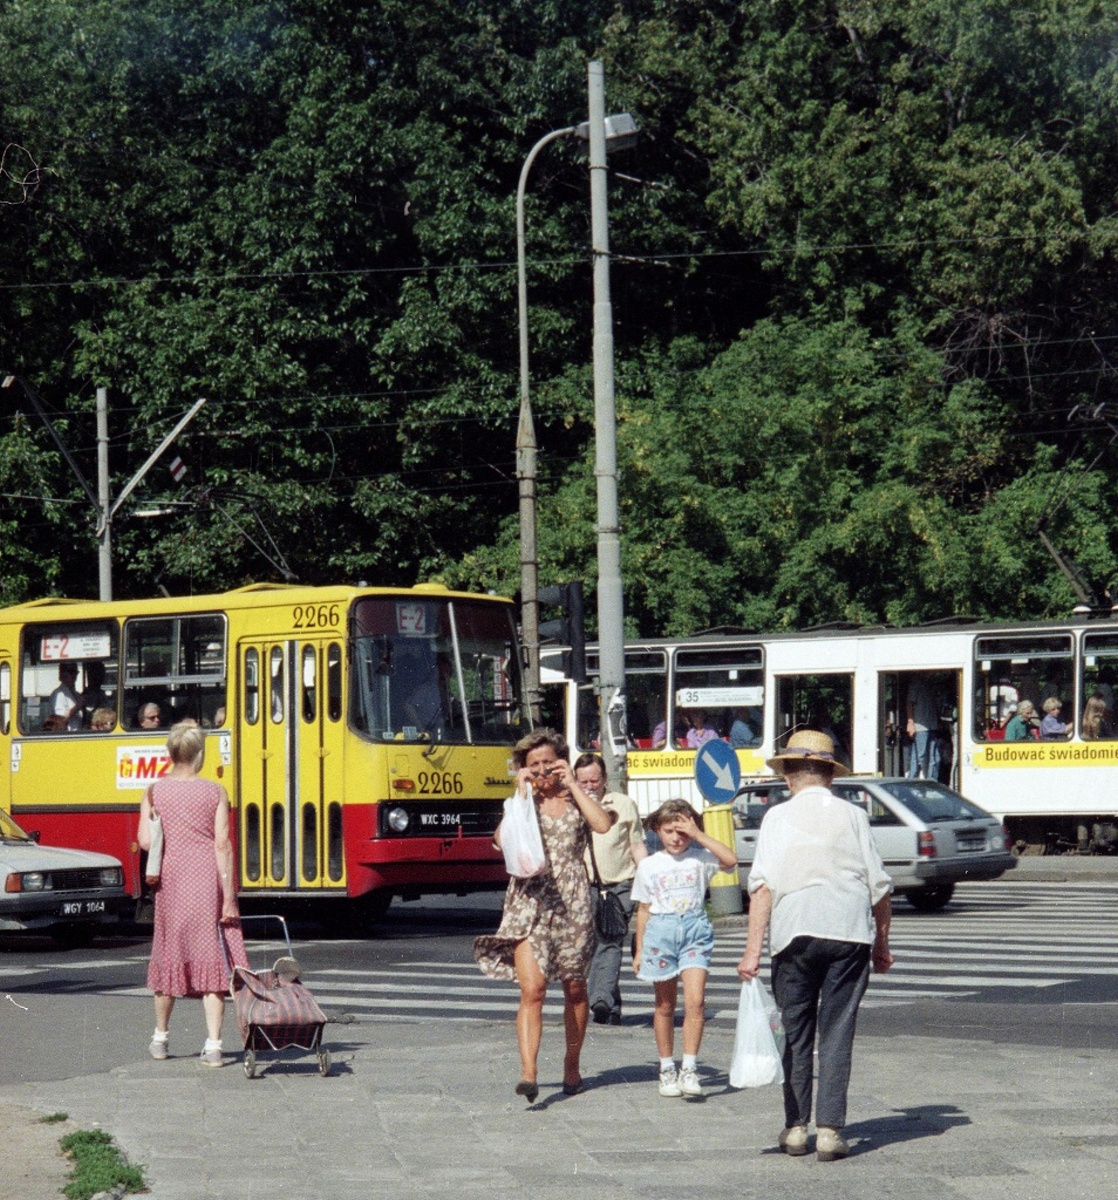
(420, 1111)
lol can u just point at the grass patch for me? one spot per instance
(54, 1118)
(98, 1165)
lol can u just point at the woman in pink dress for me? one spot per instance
(195, 897)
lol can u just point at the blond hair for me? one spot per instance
(186, 744)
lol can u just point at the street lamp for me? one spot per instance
(620, 133)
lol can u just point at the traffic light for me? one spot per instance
(569, 630)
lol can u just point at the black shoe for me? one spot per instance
(615, 1017)
(600, 1009)
(529, 1089)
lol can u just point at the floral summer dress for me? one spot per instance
(552, 910)
(186, 955)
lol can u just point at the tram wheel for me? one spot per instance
(931, 898)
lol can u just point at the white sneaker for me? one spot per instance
(669, 1082)
(689, 1083)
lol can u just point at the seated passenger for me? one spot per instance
(103, 720)
(150, 716)
(1095, 724)
(1052, 729)
(1019, 727)
(700, 732)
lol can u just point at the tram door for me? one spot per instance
(933, 698)
(6, 732)
(291, 765)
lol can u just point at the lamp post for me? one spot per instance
(619, 132)
(611, 623)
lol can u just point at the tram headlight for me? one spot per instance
(398, 820)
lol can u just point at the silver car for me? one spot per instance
(69, 894)
(928, 836)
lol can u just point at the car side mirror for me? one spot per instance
(34, 835)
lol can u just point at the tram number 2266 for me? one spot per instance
(316, 616)
(440, 783)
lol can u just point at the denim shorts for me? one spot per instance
(675, 942)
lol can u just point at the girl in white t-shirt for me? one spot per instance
(674, 935)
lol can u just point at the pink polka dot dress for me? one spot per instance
(186, 957)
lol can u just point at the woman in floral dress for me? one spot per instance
(547, 927)
(196, 893)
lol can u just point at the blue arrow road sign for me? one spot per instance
(717, 773)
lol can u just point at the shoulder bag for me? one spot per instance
(610, 919)
(155, 851)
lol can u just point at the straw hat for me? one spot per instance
(809, 745)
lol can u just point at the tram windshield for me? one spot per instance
(435, 670)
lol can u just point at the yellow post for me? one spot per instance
(725, 887)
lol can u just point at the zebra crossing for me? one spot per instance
(1039, 939)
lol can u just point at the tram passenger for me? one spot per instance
(742, 733)
(922, 729)
(64, 704)
(149, 716)
(1022, 725)
(1052, 729)
(547, 928)
(1095, 723)
(681, 726)
(701, 731)
(102, 720)
(93, 693)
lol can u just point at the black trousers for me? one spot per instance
(818, 985)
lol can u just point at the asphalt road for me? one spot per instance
(1015, 961)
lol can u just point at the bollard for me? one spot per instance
(725, 887)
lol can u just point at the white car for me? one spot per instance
(69, 894)
(928, 836)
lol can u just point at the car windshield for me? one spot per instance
(932, 802)
(10, 831)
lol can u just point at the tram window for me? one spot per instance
(310, 683)
(1016, 667)
(69, 668)
(725, 684)
(5, 697)
(252, 685)
(646, 695)
(823, 702)
(1097, 715)
(177, 663)
(334, 681)
(275, 688)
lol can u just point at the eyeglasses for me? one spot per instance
(150, 719)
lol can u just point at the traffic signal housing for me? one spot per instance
(569, 629)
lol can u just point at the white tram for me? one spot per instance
(1057, 793)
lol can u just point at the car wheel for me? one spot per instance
(931, 898)
(73, 937)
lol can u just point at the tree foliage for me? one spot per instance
(863, 291)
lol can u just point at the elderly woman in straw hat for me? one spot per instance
(819, 881)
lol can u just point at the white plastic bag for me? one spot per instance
(154, 867)
(758, 1039)
(521, 843)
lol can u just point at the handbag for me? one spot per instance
(610, 918)
(155, 850)
(758, 1039)
(521, 843)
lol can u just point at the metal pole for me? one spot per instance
(105, 548)
(526, 454)
(611, 620)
